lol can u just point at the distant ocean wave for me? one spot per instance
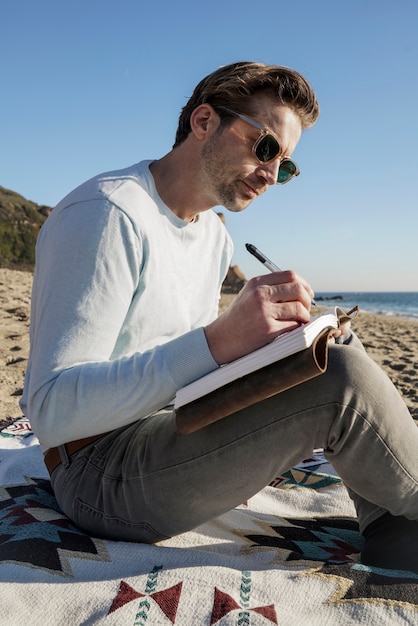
(403, 304)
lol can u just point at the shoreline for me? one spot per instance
(391, 341)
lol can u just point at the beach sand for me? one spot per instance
(391, 341)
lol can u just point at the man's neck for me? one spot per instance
(176, 181)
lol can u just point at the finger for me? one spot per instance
(291, 292)
(288, 279)
(345, 328)
(294, 311)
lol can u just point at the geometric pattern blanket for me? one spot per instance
(288, 556)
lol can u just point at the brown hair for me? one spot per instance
(234, 86)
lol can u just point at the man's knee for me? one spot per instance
(357, 373)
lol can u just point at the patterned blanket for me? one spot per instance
(288, 556)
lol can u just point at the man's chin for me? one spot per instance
(238, 206)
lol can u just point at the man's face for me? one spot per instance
(231, 174)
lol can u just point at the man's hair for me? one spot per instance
(235, 85)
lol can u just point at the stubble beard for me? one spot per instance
(214, 170)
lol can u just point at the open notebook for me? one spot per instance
(260, 374)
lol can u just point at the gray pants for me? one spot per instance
(147, 482)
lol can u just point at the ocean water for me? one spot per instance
(404, 304)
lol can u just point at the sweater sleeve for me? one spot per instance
(85, 279)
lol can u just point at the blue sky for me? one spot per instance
(95, 85)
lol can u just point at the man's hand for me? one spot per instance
(338, 332)
(266, 307)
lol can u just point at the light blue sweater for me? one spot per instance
(122, 289)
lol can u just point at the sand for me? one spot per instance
(391, 341)
(15, 291)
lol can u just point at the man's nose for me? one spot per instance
(269, 171)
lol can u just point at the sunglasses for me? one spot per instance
(267, 147)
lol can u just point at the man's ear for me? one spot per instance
(203, 121)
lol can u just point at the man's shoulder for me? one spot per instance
(108, 185)
(137, 174)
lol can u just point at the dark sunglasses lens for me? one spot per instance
(267, 149)
(287, 170)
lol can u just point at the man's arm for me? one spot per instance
(80, 381)
(266, 307)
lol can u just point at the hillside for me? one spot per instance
(20, 221)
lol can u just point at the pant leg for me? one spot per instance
(147, 482)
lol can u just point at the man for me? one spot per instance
(124, 313)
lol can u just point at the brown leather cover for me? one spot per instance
(254, 387)
(261, 384)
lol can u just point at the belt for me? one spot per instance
(52, 457)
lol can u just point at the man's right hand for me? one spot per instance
(266, 307)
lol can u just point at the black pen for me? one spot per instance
(265, 261)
